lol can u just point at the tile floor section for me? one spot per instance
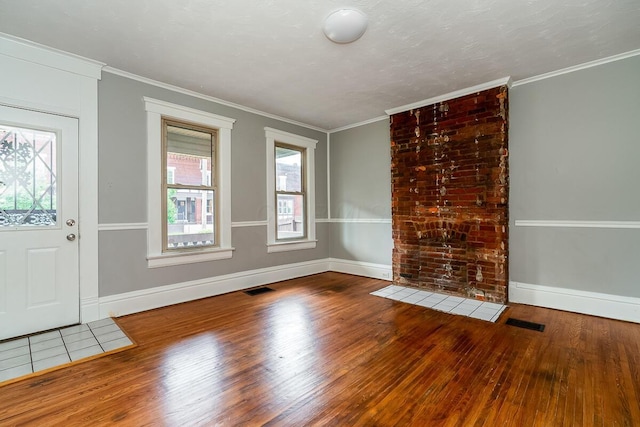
(482, 310)
(27, 355)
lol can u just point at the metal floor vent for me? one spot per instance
(258, 291)
(526, 325)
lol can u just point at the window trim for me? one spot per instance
(308, 145)
(156, 110)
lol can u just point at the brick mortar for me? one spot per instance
(450, 186)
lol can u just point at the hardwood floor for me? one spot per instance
(322, 351)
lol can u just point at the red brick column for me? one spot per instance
(450, 188)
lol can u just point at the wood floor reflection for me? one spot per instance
(321, 351)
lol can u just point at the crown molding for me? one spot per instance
(195, 94)
(578, 67)
(451, 95)
(488, 85)
(37, 53)
(355, 125)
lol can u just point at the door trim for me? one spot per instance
(54, 82)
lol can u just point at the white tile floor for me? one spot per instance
(483, 310)
(35, 353)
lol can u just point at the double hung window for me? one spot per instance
(291, 194)
(290, 191)
(189, 157)
(188, 185)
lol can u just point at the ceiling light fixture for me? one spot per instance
(345, 25)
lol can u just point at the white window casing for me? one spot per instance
(274, 136)
(156, 110)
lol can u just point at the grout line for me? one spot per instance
(94, 335)
(64, 344)
(30, 354)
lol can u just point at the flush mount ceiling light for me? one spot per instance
(345, 25)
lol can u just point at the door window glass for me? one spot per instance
(27, 177)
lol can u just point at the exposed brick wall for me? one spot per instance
(449, 172)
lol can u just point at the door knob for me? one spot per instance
(71, 237)
(71, 222)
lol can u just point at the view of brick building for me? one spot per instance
(190, 211)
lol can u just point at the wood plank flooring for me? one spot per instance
(321, 351)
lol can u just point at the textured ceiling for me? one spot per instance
(272, 55)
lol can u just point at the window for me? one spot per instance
(189, 178)
(285, 207)
(171, 173)
(290, 191)
(189, 154)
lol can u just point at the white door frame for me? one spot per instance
(43, 79)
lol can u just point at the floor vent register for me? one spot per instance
(524, 324)
(258, 291)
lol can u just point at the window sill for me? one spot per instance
(291, 246)
(167, 260)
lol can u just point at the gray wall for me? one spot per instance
(573, 156)
(574, 152)
(123, 181)
(360, 163)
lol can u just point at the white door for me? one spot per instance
(39, 282)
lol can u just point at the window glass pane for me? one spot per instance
(190, 218)
(290, 223)
(288, 169)
(27, 177)
(189, 154)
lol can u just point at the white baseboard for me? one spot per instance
(359, 268)
(592, 303)
(162, 296)
(89, 309)
(148, 299)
